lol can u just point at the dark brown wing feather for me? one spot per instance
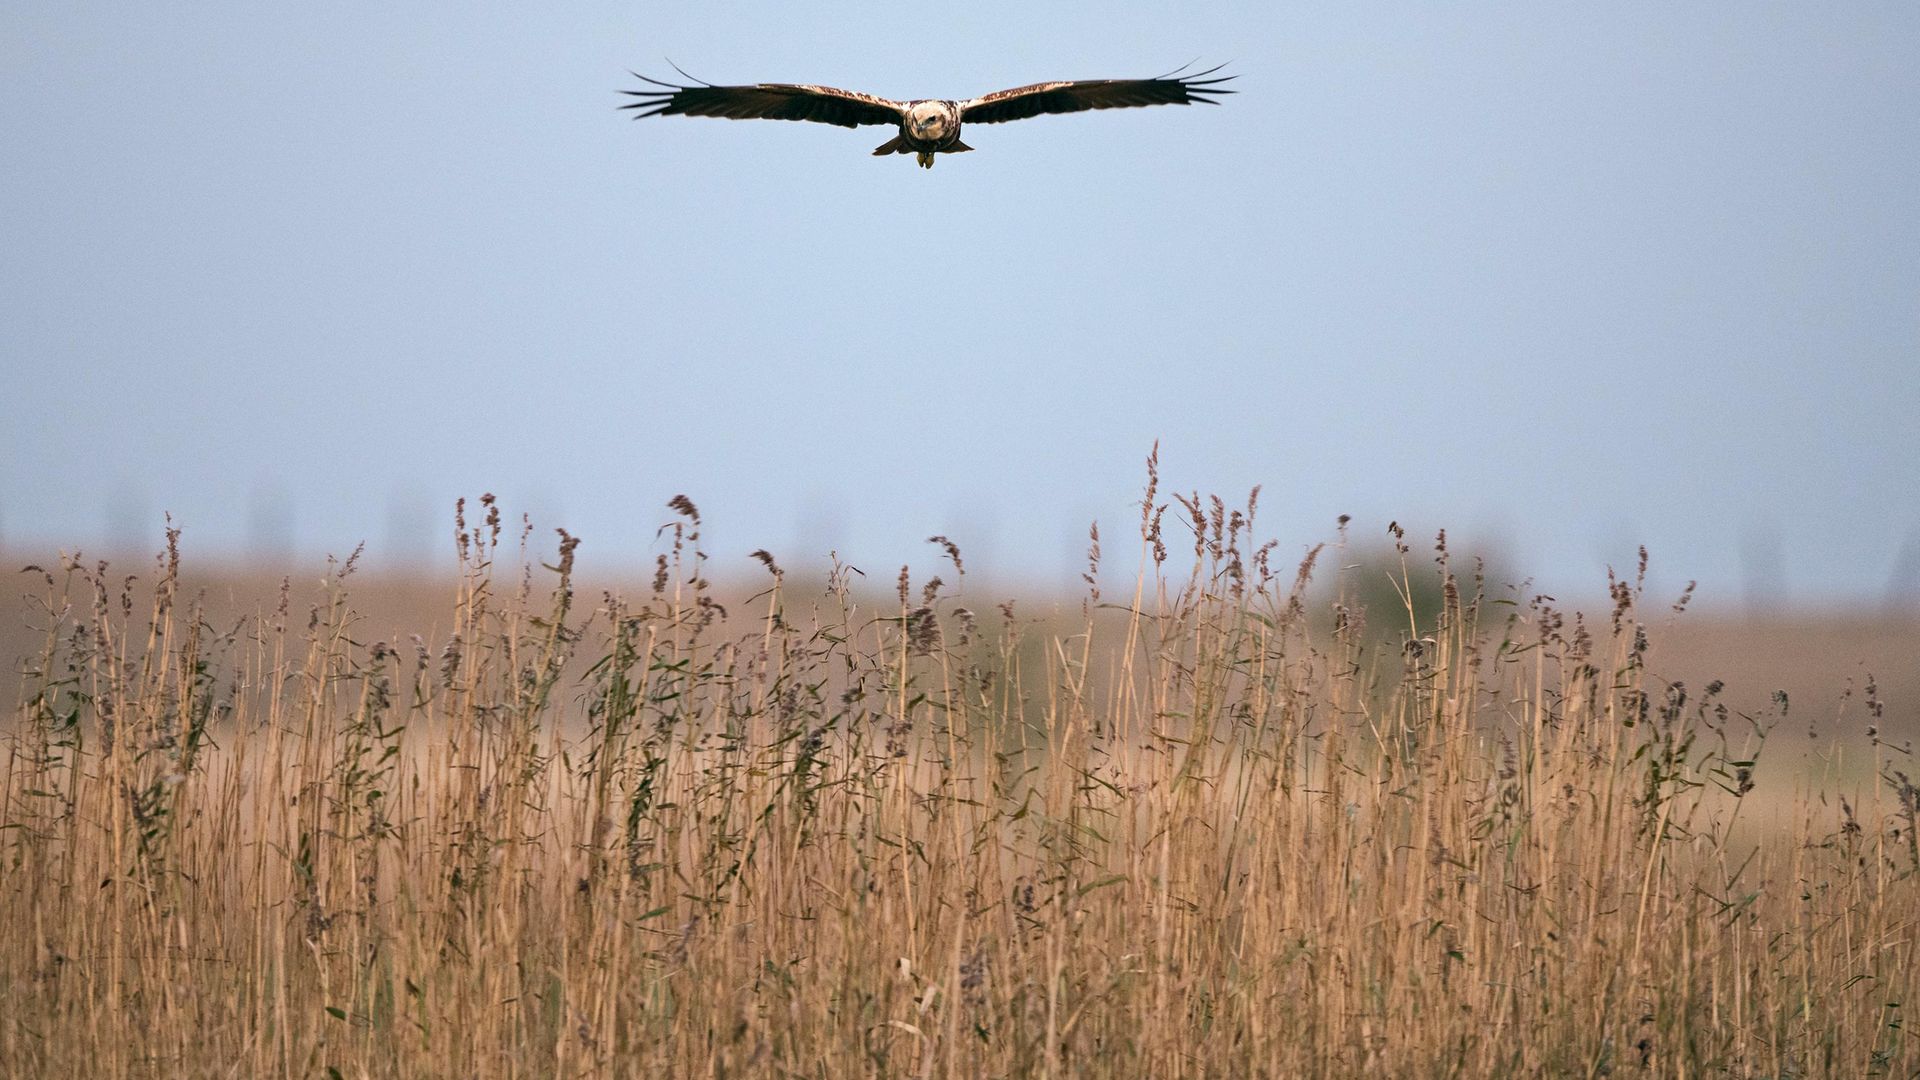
(1084, 94)
(765, 101)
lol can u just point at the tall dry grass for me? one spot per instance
(1208, 831)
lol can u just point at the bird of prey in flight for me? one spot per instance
(927, 126)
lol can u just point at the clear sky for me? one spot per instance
(1561, 281)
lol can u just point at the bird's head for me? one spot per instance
(929, 120)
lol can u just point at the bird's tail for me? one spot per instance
(895, 145)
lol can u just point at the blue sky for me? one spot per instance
(1560, 281)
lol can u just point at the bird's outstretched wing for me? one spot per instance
(1081, 95)
(765, 101)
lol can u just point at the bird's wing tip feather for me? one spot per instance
(683, 73)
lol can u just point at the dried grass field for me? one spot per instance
(1231, 822)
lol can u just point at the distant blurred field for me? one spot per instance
(1822, 658)
(1236, 819)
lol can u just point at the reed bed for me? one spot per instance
(1225, 825)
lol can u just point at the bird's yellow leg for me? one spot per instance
(926, 159)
